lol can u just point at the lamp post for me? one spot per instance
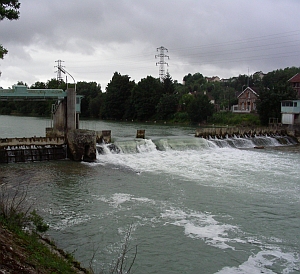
(72, 121)
(65, 72)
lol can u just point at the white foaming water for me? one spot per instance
(68, 219)
(263, 261)
(226, 166)
(146, 146)
(197, 225)
(202, 226)
(117, 199)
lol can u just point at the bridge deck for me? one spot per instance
(20, 93)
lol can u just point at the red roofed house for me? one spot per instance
(247, 101)
(295, 83)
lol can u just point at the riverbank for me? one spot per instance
(21, 252)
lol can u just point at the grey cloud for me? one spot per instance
(224, 35)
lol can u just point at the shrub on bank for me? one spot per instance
(234, 119)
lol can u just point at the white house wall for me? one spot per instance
(287, 119)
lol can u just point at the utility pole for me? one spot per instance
(59, 70)
(162, 62)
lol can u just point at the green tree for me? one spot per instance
(269, 104)
(275, 88)
(42, 108)
(91, 102)
(200, 108)
(56, 84)
(167, 106)
(145, 97)
(278, 79)
(95, 106)
(185, 101)
(9, 9)
(117, 96)
(194, 82)
(3, 51)
(38, 85)
(168, 84)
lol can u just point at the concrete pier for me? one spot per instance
(82, 145)
(140, 133)
(104, 136)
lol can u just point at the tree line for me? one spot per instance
(194, 100)
(123, 99)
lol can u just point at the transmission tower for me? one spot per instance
(59, 69)
(162, 62)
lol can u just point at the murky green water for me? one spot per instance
(194, 206)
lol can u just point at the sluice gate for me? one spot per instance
(14, 150)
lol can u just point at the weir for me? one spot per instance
(235, 131)
(65, 140)
(13, 150)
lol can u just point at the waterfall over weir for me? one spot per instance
(192, 143)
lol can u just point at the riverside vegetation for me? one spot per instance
(169, 101)
(23, 249)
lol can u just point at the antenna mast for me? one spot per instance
(162, 62)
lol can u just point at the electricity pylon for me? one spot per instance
(59, 70)
(162, 62)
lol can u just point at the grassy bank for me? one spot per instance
(22, 248)
(218, 119)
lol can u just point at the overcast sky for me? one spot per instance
(95, 38)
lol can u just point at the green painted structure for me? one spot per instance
(64, 133)
(23, 93)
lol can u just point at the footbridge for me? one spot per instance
(22, 93)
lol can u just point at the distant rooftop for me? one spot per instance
(295, 78)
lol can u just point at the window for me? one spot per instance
(289, 104)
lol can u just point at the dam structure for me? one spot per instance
(63, 139)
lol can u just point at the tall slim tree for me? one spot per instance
(117, 96)
(9, 9)
(145, 97)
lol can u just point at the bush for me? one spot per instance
(16, 213)
(13, 211)
(235, 119)
(181, 117)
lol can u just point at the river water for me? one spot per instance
(192, 205)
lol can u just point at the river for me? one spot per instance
(192, 205)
